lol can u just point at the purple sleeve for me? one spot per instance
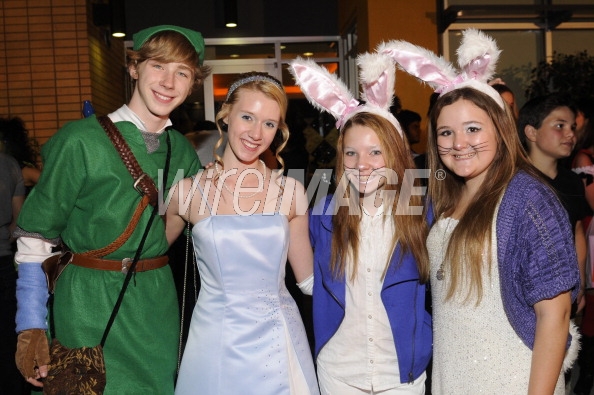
(548, 263)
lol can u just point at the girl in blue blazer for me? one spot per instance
(372, 332)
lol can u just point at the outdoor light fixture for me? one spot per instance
(111, 15)
(230, 13)
(118, 18)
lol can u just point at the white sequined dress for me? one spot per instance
(475, 349)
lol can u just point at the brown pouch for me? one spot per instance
(75, 370)
(54, 266)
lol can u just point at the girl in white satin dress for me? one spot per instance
(246, 333)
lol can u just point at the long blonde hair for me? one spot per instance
(272, 89)
(464, 259)
(410, 231)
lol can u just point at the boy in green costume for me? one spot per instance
(85, 198)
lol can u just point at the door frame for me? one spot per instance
(238, 66)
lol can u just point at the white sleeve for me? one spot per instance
(31, 249)
(306, 286)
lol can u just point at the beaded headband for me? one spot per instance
(251, 78)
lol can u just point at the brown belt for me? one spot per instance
(119, 266)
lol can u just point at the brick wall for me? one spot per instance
(52, 58)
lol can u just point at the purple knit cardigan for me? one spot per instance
(535, 250)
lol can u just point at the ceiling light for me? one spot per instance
(230, 13)
(118, 18)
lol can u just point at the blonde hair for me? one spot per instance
(169, 46)
(464, 254)
(272, 89)
(410, 231)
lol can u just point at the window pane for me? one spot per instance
(573, 41)
(244, 51)
(310, 49)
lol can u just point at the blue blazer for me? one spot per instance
(402, 294)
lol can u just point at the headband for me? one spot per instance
(477, 57)
(194, 37)
(328, 93)
(252, 78)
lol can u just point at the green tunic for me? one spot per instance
(85, 196)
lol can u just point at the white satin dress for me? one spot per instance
(246, 334)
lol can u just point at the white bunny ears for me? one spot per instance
(477, 57)
(328, 93)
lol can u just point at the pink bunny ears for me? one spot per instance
(328, 93)
(477, 57)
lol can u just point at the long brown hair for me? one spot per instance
(410, 231)
(464, 259)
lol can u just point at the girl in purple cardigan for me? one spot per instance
(502, 261)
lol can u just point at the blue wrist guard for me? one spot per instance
(32, 297)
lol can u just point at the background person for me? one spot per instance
(12, 196)
(507, 95)
(583, 165)
(15, 141)
(204, 138)
(546, 126)
(410, 122)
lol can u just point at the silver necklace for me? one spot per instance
(219, 172)
(440, 275)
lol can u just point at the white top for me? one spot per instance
(124, 113)
(362, 352)
(475, 349)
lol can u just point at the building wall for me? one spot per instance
(52, 58)
(382, 20)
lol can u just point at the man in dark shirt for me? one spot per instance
(12, 196)
(546, 126)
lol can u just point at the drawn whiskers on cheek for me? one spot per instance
(443, 150)
(480, 147)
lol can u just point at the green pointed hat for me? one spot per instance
(194, 37)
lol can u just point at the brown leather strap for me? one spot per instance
(117, 243)
(119, 266)
(143, 183)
